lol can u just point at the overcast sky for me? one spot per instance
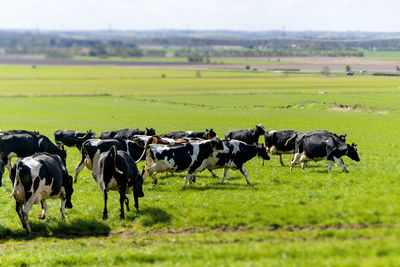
(252, 15)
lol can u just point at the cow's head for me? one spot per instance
(68, 191)
(210, 133)
(218, 145)
(150, 131)
(262, 152)
(269, 138)
(260, 130)
(351, 152)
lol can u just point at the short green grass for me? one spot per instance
(299, 218)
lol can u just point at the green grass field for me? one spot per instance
(299, 218)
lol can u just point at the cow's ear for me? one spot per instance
(206, 130)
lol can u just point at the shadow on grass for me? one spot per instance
(57, 229)
(150, 216)
(220, 186)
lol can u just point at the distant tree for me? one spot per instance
(348, 68)
(248, 67)
(198, 74)
(397, 68)
(163, 76)
(194, 57)
(325, 71)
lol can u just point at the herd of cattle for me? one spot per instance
(40, 172)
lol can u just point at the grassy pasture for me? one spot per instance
(299, 218)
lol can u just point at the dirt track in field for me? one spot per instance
(306, 64)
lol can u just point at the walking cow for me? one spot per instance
(37, 178)
(118, 171)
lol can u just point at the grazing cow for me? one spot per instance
(23, 145)
(280, 142)
(92, 148)
(249, 136)
(37, 178)
(118, 171)
(239, 153)
(126, 133)
(322, 146)
(208, 134)
(72, 138)
(189, 157)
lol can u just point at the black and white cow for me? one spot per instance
(239, 153)
(72, 138)
(249, 136)
(37, 178)
(126, 133)
(189, 157)
(208, 134)
(92, 148)
(118, 171)
(322, 146)
(280, 142)
(23, 145)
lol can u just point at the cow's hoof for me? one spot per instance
(41, 216)
(105, 217)
(345, 170)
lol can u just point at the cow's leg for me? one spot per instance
(188, 178)
(122, 197)
(213, 173)
(105, 213)
(62, 208)
(294, 160)
(303, 165)
(341, 163)
(244, 172)
(136, 199)
(79, 168)
(127, 204)
(280, 159)
(25, 214)
(330, 164)
(18, 208)
(225, 174)
(42, 216)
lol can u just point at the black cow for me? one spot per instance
(280, 142)
(249, 136)
(11, 132)
(239, 153)
(37, 178)
(322, 146)
(24, 145)
(92, 148)
(126, 133)
(72, 138)
(208, 134)
(189, 157)
(118, 171)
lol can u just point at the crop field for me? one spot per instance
(284, 218)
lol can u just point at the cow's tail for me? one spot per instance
(290, 139)
(146, 146)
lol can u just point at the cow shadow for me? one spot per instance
(150, 216)
(227, 185)
(57, 229)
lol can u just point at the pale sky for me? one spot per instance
(249, 15)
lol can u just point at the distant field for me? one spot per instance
(301, 218)
(184, 60)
